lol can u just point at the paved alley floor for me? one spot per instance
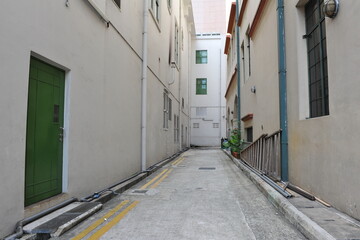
(200, 195)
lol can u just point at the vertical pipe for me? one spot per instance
(144, 86)
(180, 98)
(238, 68)
(220, 106)
(282, 91)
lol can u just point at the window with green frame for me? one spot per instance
(201, 86)
(201, 56)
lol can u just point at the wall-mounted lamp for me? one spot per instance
(253, 89)
(331, 8)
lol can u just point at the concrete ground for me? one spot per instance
(200, 195)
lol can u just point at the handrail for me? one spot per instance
(264, 154)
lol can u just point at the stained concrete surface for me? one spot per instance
(336, 223)
(220, 203)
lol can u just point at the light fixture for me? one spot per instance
(331, 8)
(253, 89)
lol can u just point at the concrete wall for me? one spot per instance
(213, 101)
(323, 151)
(103, 92)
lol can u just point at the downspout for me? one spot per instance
(282, 91)
(144, 87)
(181, 130)
(238, 68)
(220, 106)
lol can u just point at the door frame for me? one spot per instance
(66, 120)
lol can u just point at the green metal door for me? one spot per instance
(43, 171)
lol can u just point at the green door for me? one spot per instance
(43, 171)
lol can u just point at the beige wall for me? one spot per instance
(323, 152)
(103, 92)
(324, 156)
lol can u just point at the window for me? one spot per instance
(118, 3)
(166, 110)
(182, 102)
(170, 108)
(201, 56)
(249, 134)
(243, 60)
(176, 44)
(201, 86)
(182, 39)
(196, 125)
(169, 2)
(317, 59)
(175, 128)
(155, 9)
(249, 51)
(201, 111)
(215, 125)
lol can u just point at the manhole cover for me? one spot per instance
(207, 168)
(140, 191)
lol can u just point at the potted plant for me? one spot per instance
(235, 142)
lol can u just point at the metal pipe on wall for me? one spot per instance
(238, 68)
(144, 86)
(282, 90)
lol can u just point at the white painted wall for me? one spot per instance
(103, 82)
(213, 101)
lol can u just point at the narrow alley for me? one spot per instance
(199, 195)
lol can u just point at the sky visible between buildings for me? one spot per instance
(210, 16)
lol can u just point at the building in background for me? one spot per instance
(322, 91)
(71, 96)
(208, 75)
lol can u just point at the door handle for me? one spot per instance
(61, 134)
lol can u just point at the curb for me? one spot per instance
(303, 223)
(65, 227)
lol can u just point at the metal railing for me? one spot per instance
(265, 155)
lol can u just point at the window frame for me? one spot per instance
(316, 46)
(165, 110)
(177, 45)
(117, 3)
(199, 57)
(200, 90)
(155, 8)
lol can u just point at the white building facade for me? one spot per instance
(208, 74)
(71, 96)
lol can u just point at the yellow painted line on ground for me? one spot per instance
(100, 221)
(161, 179)
(112, 223)
(176, 162)
(154, 179)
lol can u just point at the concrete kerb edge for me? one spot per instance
(303, 223)
(65, 227)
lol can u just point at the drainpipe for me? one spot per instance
(238, 68)
(282, 91)
(180, 98)
(144, 86)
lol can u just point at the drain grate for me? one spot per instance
(207, 168)
(140, 191)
